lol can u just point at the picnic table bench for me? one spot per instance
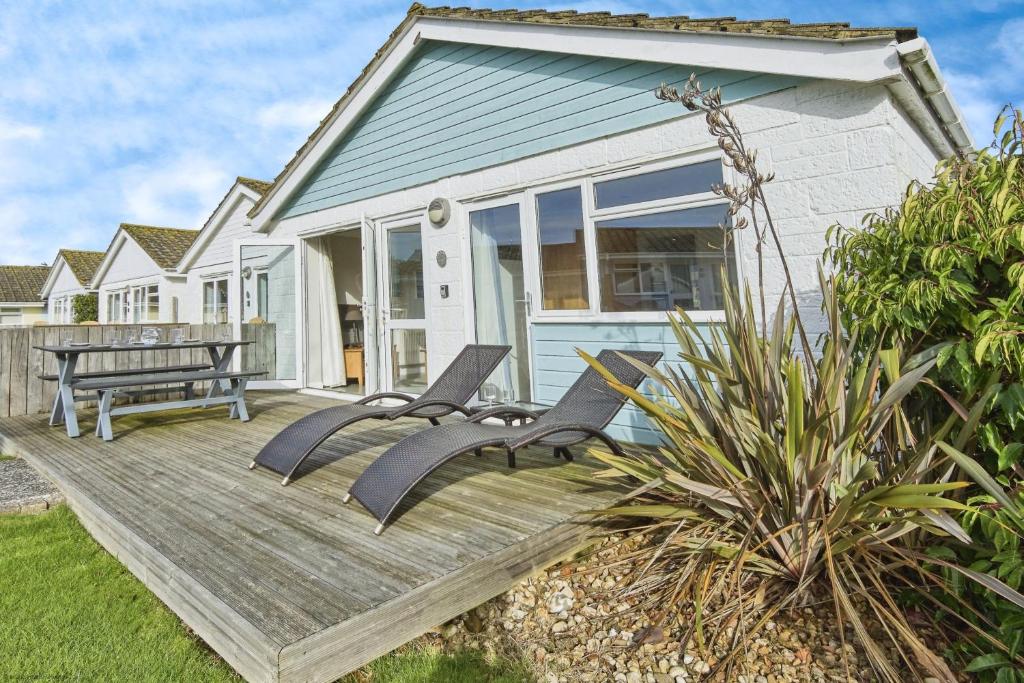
(109, 388)
(145, 380)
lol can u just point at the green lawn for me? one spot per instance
(72, 612)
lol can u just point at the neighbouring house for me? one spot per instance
(20, 303)
(70, 275)
(137, 281)
(509, 177)
(209, 262)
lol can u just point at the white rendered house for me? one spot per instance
(507, 177)
(208, 264)
(137, 281)
(70, 275)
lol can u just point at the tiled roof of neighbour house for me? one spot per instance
(257, 186)
(165, 246)
(838, 31)
(22, 284)
(83, 264)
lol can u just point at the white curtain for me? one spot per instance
(490, 289)
(332, 362)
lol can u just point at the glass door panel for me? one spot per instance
(502, 307)
(405, 335)
(268, 282)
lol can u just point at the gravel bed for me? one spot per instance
(23, 490)
(572, 625)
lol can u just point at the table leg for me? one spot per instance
(65, 394)
(221, 363)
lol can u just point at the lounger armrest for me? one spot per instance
(502, 412)
(419, 405)
(387, 394)
(544, 432)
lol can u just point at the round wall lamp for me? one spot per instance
(438, 212)
(247, 272)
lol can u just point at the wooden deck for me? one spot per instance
(286, 583)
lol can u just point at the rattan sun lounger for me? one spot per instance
(448, 394)
(581, 414)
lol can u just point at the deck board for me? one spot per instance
(287, 583)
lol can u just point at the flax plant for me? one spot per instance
(787, 472)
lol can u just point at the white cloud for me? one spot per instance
(305, 114)
(10, 131)
(177, 194)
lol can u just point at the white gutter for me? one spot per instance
(916, 55)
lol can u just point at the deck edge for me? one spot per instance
(337, 650)
(188, 599)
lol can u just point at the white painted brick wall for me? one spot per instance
(839, 150)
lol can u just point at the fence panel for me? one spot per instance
(22, 392)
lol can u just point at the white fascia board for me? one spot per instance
(24, 304)
(108, 258)
(51, 277)
(861, 59)
(215, 222)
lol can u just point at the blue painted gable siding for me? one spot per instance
(556, 365)
(456, 108)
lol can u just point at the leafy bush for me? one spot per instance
(948, 266)
(85, 307)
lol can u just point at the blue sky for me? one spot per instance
(146, 111)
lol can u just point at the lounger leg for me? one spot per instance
(346, 498)
(106, 398)
(433, 421)
(238, 407)
(511, 457)
(479, 452)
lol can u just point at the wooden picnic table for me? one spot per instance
(221, 352)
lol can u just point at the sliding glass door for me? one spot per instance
(267, 277)
(502, 301)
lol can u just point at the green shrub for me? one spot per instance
(85, 307)
(948, 266)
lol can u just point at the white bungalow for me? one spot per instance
(20, 303)
(138, 280)
(70, 275)
(510, 177)
(208, 263)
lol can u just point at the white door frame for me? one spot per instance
(300, 320)
(530, 267)
(387, 323)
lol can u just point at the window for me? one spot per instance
(648, 187)
(660, 261)
(116, 307)
(657, 237)
(57, 312)
(10, 316)
(215, 301)
(563, 257)
(262, 294)
(145, 304)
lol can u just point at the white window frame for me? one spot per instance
(213, 280)
(122, 307)
(591, 215)
(145, 289)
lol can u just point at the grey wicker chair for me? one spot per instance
(582, 413)
(448, 394)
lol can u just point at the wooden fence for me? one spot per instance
(23, 393)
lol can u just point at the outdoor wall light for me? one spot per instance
(438, 212)
(247, 272)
